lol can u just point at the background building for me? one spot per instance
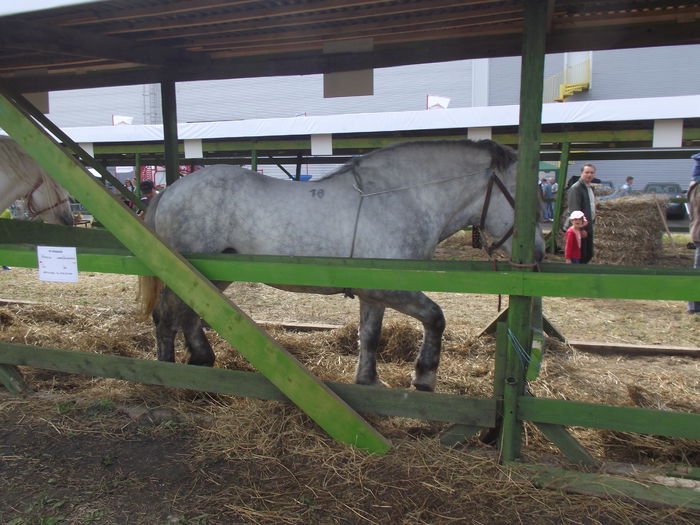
(617, 74)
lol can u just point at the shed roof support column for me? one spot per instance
(168, 101)
(559, 204)
(520, 307)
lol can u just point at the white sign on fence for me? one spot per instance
(58, 264)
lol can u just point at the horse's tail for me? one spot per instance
(150, 288)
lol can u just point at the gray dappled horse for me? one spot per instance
(22, 178)
(394, 203)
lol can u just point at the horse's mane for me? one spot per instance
(502, 157)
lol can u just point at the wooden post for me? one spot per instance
(561, 184)
(137, 174)
(300, 159)
(169, 106)
(520, 307)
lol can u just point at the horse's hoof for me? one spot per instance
(425, 383)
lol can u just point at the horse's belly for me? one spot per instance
(321, 290)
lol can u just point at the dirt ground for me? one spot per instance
(90, 450)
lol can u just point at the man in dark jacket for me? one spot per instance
(580, 198)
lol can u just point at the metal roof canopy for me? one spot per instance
(596, 130)
(124, 42)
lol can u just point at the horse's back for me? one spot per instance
(228, 208)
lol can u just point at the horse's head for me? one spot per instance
(48, 200)
(498, 212)
(22, 178)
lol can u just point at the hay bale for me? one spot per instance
(628, 230)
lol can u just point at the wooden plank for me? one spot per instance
(490, 328)
(438, 276)
(76, 149)
(283, 369)
(607, 417)
(559, 201)
(570, 447)
(552, 330)
(537, 341)
(376, 400)
(36, 233)
(12, 379)
(630, 349)
(607, 486)
(299, 327)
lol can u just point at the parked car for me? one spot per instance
(675, 209)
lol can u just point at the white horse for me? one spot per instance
(395, 203)
(22, 178)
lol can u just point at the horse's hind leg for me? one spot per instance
(419, 306)
(165, 320)
(200, 352)
(171, 315)
(371, 315)
(197, 343)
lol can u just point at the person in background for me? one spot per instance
(626, 188)
(148, 191)
(622, 191)
(580, 197)
(694, 221)
(574, 236)
(696, 170)
(555, 185)
(548, 199)
(129, 186)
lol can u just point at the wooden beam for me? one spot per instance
(602, 485)
(434, 276)
(450, 408)
(607, 417)
(523, 241)
(319, 402)
(16, 34)
(170, 141)
(633, 349)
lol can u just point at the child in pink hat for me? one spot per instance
(572, 249)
